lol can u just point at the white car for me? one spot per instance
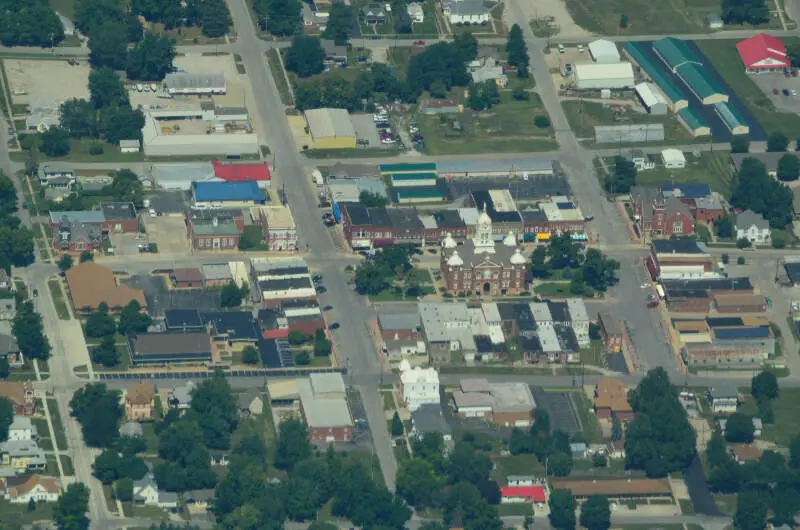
(645, 285)
(794, 92)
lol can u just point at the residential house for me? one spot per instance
(129, 146)
(9, 349)
(611, 331)
(250, 404)
(8, 307)
(140, 401)
(199, 499)
(21, 396)
(753, 227)
(22, 429)
(186, 278)
(518, 481)
(219, 459)
(418, 385)
(466, 11)
(447, 331)
(52, 170)
(416, 13)
(374, 14)
(487, 69)
(744, 453)
(429, 418)
(658, 215)
(334, 53)
(22, 456)
(611, 399)
(146, 493)
(6, 283)
(76, 237)
(758, 426)
(523, 494)
(27, 488)
(724, 399)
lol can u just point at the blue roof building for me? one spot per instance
(691, 190)
(233, 193)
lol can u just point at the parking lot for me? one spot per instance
(127, 245)
(159, 297)
(32, 81)
(168, 232)
(560, 407)
(769, 83)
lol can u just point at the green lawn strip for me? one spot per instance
(66, 465)
(45, 443)
(58, 299)
(279, 77)
(58, 426)
(724, 57)
(786, 409)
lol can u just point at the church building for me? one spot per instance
(480, 266)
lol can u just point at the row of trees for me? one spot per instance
(98, 411)
(101, 325)
(211, 16)
(28, 329)
(588, 270)
(755, 190)
(121, 465)
(389, 266)
(16, 241)
(29, 23)
(6, 417)
(595, 512)
(552, 448)
(282, 18)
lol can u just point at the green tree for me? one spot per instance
(745, 12)
(106, 353)
(464, 506)
(322, 525)
(6, 417)
(5, 369)
(623, 178)
(65, 263)
(301, 499)
(418, 483)
(32, 505)
(79, 119)
(739, 428)
(150, 59)
(616, 428)
(282, 18)
(440, 64)
(755, 190)
(231, 295)
(794, 453)
(562, 509)
(100, 323)
(297, 337)
(106, 466)
(91, 13)
(751, 511)
(29, 23)
(120, 123)
(71, 508)
(123, 489)
(397, 425)
(538, 265)
(740, 144)
(98, 411)
(598, 271)
(372, 200)
(106, 89)
(788, 168)
(370, 278)
(765, 386)
(467, 45)
(132, 319)
(623, 21)
(322, 347)
(27, 328)
(215, 410)
(402, 20)
(293, 445)
(250, 355)
(596, 513)
(741, 243)
(340, 24)
(212, 15)
(599, 460)
(54, 142)
(517, 50)
(541, 121)
(560, 464)
(86, 255)
(305, 57)
(108, 44)
(724, 226)
(777, 142)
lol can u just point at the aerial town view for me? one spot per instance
(409, 264)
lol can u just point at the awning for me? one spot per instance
(543, 237)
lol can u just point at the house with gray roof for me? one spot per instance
(9, 349)
(147, 493)
(374, 14)
(465, 11)
(447, 329)
(429, 418)
(753, 227)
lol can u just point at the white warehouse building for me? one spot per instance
(589, 76)
(195, 84)
(652, 98)
(604, 52)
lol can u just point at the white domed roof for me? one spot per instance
(484, 218)
(455, 260)
(405, 366)
(518, 258)
(510, 240)
(448, 241)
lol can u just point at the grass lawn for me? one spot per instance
(149, 436)
(79, 152)
(255, 237)
(66, 465)
(725, 58)
(726, 502)
(668, 17)
(58, 426)
(709, 168)
(45, 443)
(593, 354)
(591, 428)
(17, 515)
(321, 362)
(787, 410)
(388, 401)
(279, 77)
(583, 116)
(516, 465)
(507, 128)
(58, 299)
(520, 509)
(186, 35)
(553, 289)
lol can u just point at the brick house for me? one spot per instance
(120, 217)
(611, 331)
(215, 229)
(75, 237)
(611, 399)
(658, 215)
(139, 402)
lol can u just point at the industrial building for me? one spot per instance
(182, 83)
(731, 118)
(496, 168)
(193, 132)
(693, 122)
(591, 76)
(631, 133)
(407, 169)
(604, 52)
(685, 63)
(226, 194)
(323, 405)
(673, 93)
(651, 97)
(330, 129)
(149, 349)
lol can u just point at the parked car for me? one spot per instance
(580, 48)
(775, 91)
(419, 43)
(652, 303)
(785, 92)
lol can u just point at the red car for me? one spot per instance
(419, 43)
(652, 303)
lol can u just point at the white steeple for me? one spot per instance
(483, 240)
(448, 241)
(510, 240)
(455, 260)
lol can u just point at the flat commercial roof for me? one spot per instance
(512, 397)
(170, 343)
(322, 413)
(330, 123)
(184, 81)
(604, 71)
(407, 168)
(615, 487)
(612, 394)
(532, 165)
(227, 191)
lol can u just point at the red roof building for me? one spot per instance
(242, 172)
(509, 494)
(763, 53)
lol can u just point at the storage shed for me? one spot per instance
(604, 52)
(654, 101)
(676, 96)
(706, 88)
(731, 118)
(673, 159)
(693, 122)
(590, 76)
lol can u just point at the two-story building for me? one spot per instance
(140, 402)
(658, 215)
(418, 385)
(753, 227)
(277, 223)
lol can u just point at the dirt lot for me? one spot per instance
(557, 9)
(168, 232)
(36, 78)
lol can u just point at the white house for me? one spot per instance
(753, 227)
(673, 159)
(129, 146)
(579, 319)
(22, 429)
(146, 492)
(416, 13)
(418, 385)
(641, 160)
(23, 489)
(465, 11)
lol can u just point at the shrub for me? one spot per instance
(541, 121)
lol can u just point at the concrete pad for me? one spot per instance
(168, 232)
(36, 79)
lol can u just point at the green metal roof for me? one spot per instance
(675, 52)
(696, 78)
(730, 115)
(655, 73)
(414, 176)
(692, 119)
(419, 193)
(407, 168)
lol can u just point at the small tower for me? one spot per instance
(483, 240)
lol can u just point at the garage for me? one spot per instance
(590, 76)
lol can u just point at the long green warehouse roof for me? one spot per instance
(413, 176)
(699, 82)
(675, 52)
(407, 168)
(691, 119)
(655, 73)
(730, 115)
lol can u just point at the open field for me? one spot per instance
(584, 115)
(17, 515)
(787, 410)
(725, 59)
(508, 127)
(668, 17)
(708, 168)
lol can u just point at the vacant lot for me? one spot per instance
(36, 80)
(708, 168)
(725, 58)
(584, 115)
(667, 17)
(787, 410)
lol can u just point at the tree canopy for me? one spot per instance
(27, 328)
(6, 417)
(745, 11)
(596, 513)
(777, 142)
(132, 319)
(788, 167)
(442, 62)
(623, 178)
(340, 23)
(150, 59)
(305, 57)
(293, 445)
(282, 18)
(562, 509)
(214, 408)
(739, 428)
(98, 411)
(755, 190)
(29, 23)
(71, 508)
(517, 50)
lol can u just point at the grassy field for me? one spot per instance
(58, 426)
(17, 515)
(787, 410)
(709, 168)
(58, 299)
(668, 17)
(583, 116)
(507, 128)
(79, 152)
(725, 58)
(279, 77)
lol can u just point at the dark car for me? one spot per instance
(321, 289)
(317, 278)
(35, 293)
(333, 326)
(327, 308)
(785, 92)
(775, 91)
